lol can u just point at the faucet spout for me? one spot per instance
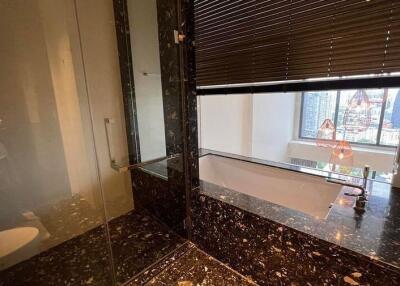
(361, 200)
(348, 184)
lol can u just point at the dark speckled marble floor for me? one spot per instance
(189, 266)
(138, 240)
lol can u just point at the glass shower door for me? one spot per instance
(52, 220)
(75, 106)
(150, 79)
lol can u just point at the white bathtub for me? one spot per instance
(305, 193)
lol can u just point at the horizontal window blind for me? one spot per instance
(392, 58)
(247, 41)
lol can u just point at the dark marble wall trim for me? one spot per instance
(189, 75)
(127, 80)
(189, 102)
(170, 75)
(170, 64)
(188, 70)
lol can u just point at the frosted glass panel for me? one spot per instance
(51, 211)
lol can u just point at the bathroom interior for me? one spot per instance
(199, 142)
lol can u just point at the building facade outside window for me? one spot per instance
(384, 127)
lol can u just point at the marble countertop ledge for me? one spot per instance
(374, 234)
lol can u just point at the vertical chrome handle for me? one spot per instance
(108, 125)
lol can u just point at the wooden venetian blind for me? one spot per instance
(246, 41)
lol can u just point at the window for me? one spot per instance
(384, 126)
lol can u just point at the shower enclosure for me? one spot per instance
(93, 180)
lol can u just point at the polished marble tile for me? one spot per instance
(374, 234)
(195, 268)
(275, 245)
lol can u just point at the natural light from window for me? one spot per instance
(384, 126)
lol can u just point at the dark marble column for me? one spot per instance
(127, 80)
(189, 102)
(170, 61)
(189, 72)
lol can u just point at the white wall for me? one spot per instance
(273, 124)
(259, 125)
(226, 123)
(148, 93)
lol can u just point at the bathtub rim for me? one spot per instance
(287, 208)
(286, 166)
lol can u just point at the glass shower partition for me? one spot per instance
(93, 186)
(150, 71)
(52, 218)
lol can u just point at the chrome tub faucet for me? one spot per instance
(361, 199)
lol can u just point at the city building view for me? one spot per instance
(384, 125)
(382, 131)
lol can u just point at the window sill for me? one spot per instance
(379, 158)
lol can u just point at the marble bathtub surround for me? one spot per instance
(374, 234)
(273, 244)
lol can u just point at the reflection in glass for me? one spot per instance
(317, 107)
(365, 136)
(357, 116)
(391, 121)
(342, 157)
(147, 77)
(326, 134)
